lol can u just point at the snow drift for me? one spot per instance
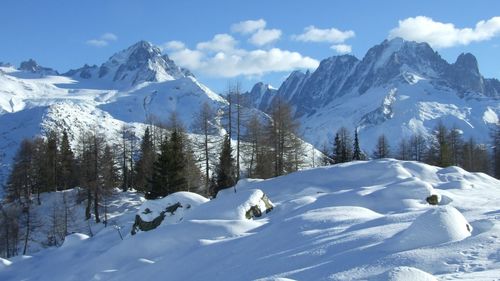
(356, 221)
(435, 226)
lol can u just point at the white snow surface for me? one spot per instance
(354, 221)
(436, 226)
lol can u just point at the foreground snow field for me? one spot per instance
(355, 221)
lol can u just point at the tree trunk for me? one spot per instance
(28, 229)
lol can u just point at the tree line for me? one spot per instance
(164, 160)
(446, 147)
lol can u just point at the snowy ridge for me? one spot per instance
(354, 221)
(141, 62)
(399, 88)
(133, 86)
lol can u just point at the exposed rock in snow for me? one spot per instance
(230, 205)
(172, 209)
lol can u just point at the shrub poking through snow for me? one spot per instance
(433, 199)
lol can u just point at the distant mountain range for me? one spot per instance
(399, 88)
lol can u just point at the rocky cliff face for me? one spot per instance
(402, 85)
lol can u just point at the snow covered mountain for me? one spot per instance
(141, 62)
(33, 67)
(399, 88)
(132, 86)
(353, 221)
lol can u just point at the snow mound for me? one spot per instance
(74, 239)
(4, 263)
(436, 226)
(152, 209)
(230, 205)
(340, 215)
(406, 273)
(407, 193)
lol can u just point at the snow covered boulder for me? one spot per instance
(171, 208)
(436, 226)
(228, 205)
(405, 273)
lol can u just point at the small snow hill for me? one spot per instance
(365, 220)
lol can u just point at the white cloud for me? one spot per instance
(109, 37)
(331, 35)
(220, 42)
(265, 36)
(342, 48)
(249, 26)
(443, 35)
(222, 57)
(103, 40)
(235, 62)
(173, 45)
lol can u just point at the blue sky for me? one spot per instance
(271, 39)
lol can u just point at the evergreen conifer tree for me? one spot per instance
(66, 163)
(144, 166)
(356, 155)
(225, 169)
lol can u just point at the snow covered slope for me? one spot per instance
(399, 88)
(132, 86)
(354, 221)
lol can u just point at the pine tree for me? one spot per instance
(496, 150)
(404, 152)
(253, 140)
(455, 146)
(66, 163)
(440, 150)
(51, 155)
(109, 178)
(337, 147)
(282, 134)
(343, 146)
(356, 155)
(170, 174)
(382, 149)
(203, 126)
(159, 181)
(20, 182)
(176, 177)
(225, 168)
(144, 166)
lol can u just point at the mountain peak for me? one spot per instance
(140, 62)
(32, 66)
(467, 61)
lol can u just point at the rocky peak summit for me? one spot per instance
(141, 62)
(32, 66)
